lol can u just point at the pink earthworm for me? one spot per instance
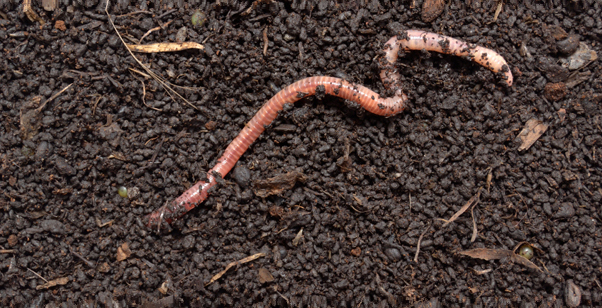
(368, 99)
(419, 40)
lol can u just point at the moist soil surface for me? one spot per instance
(361, 195)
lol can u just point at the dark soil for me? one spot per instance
(361, 218)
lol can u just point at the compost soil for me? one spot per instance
(355, 194)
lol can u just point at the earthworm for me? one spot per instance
(418, 40)
(368, 99)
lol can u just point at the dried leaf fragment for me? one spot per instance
(487, 254)
(264, 275)
(496, 254)
(298, 237)
(165, 47)
(52, 283)
(277, 184)
(533, 130)
(123, 252)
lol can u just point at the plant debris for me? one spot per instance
(531, 132)
(277, 184)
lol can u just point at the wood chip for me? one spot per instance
(533, 130)
(165, 47)
(12, 240)
(235, 263)
(431, 9)
(123, 252)
(498, 10)
(264, 275)
(104, 267)
(118, 156)
(52, 283)
(266, 42)
(277, 184)
(482, 272)
(31, 14)
(496, 254)
(49, 5)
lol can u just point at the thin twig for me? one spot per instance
(420, 242)
(29, 269)
(473, 201)
(235, 263)
(53, 97)
(144, 95)
(89, 263)
(474, 226)
(153, 30)
(136, 12)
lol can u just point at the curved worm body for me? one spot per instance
(368, 99)
(196, 194)
(419, 40)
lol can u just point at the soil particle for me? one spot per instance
(569, 45)
(63, 167)
(242, 176)
(431, 9)
(555, 91)
(566, 210)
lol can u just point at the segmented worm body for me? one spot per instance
(419, 40)
(368, 99)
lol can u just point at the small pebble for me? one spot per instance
(63, 167)
(569, 45)
(393, 253)
(565, 211)
(133, 192)
(242, 175)
(181, 35)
